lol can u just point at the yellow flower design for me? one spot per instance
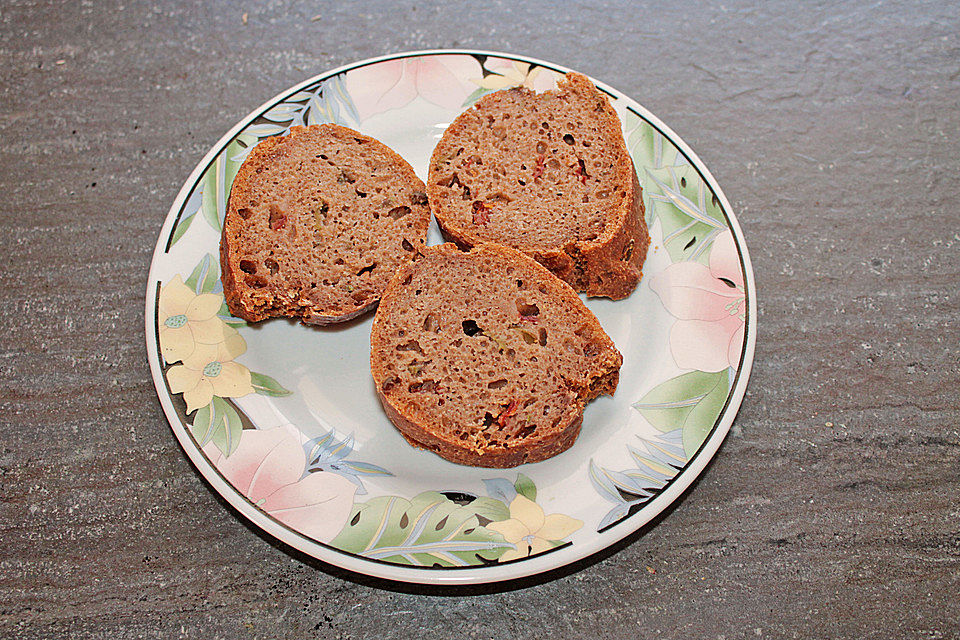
(512, 73)
(210, 371)
(531, 530)
(188, 320)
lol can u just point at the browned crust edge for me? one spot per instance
(593, 267)
(415, 426)
(254, 308)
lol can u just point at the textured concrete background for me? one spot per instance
(833, 509)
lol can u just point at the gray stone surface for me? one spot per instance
(833, 509)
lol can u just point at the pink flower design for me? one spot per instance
(441, 80)
(267, 467)
(710, 305)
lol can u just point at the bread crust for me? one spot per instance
(255, 305)
(596, 267)
(423, 430)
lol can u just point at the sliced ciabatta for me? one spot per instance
(549, 174)
(316, 225)
(487, 358)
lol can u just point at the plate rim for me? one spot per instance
(467, 575)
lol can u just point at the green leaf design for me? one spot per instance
(182, 227)
(427, 530)
(204, 277)
(674, 192)
(218, 178)
(647, 146)
(489, 508)
(689, 213)
(232, 164)
(476, 95)
(208, 202)
(691, 401)
(525, 487)
(264, 130)
(267, 386)
(203, 424)
(702, 417)
(220, 423)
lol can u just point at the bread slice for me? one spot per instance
(549, 174)
(487, 358)
(316, 225)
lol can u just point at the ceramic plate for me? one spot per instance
(283, 421)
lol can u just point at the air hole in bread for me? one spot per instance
(367, 269)
(398, 212)
(543, 337)
(360, 193)
(406, 245)
(568, 139)
(497, 384)
(470, 327)
(245, 212)
(272, 265)
(627, 251)
(430, 323)
(528, 310)
(248, 266)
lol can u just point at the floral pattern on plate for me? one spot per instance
(302, 479)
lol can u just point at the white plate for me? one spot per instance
(282, 419)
